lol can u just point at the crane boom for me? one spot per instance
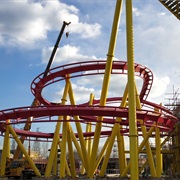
(27, 126)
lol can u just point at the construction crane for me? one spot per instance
(27, 126)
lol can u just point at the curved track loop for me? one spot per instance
(49, 112)
(86, 69)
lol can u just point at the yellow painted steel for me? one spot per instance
(77, 146)
(120, 138)
(53, 150)
(101, 154)
(63, 148)
(56, 134)
(30, 161)
(79, 130)
(88, 150)
(88, 129)
(121, 152)
(149, 153)
(164, 141)
(105, 85)
(5, 151)
(149, 133)
(71, 153)
(158, 153)
(68, 173)
(147, 145)
(131, 93)
(55, 162)
(111, 140)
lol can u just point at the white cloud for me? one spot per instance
(136, 11)
(27, 22)
(159, 88)
(86, 30)
(66, 54)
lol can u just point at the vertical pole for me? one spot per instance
(63, 148)
(56, 135)
(4, 151)
(88, 129)
(149, 133)
(144, 132)
(121, 152)
(68, 173)
(79, 130)
(90, 126)
(131, 93)
(111, 140)
(158, 153)
(105, 85)
(71, 153)
(55, 161)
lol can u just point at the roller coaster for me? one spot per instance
(83, 126)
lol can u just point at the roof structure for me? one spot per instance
(173, 6)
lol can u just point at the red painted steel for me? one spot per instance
(49, 112)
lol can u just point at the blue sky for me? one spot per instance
(29, 29)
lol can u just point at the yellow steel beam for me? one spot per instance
(105, 85)
(71, 153)
(56, 134)
(30, 161)
(63, 148)
(158, 153)
(144, 141)
(68, 173)
(165, 140)
(79, 130)
(131, 93)
(55, 161)
(147, 145)
(4, 155)
(111, 140)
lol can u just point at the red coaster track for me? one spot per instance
(49, 111)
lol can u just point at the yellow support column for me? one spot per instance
(90, 127)
(88, 139)
(4, 152)
(55, 162)
(131, 94)
(68, 173)
(78, 148)
(71, 153)
(147, 145)
(144, 141)
(121, 152)
(105, 85)
(158, 153)
(111, 140)
(63, 148)
(79, 130)
(30, 161)
(56, 134)
(102, 153)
